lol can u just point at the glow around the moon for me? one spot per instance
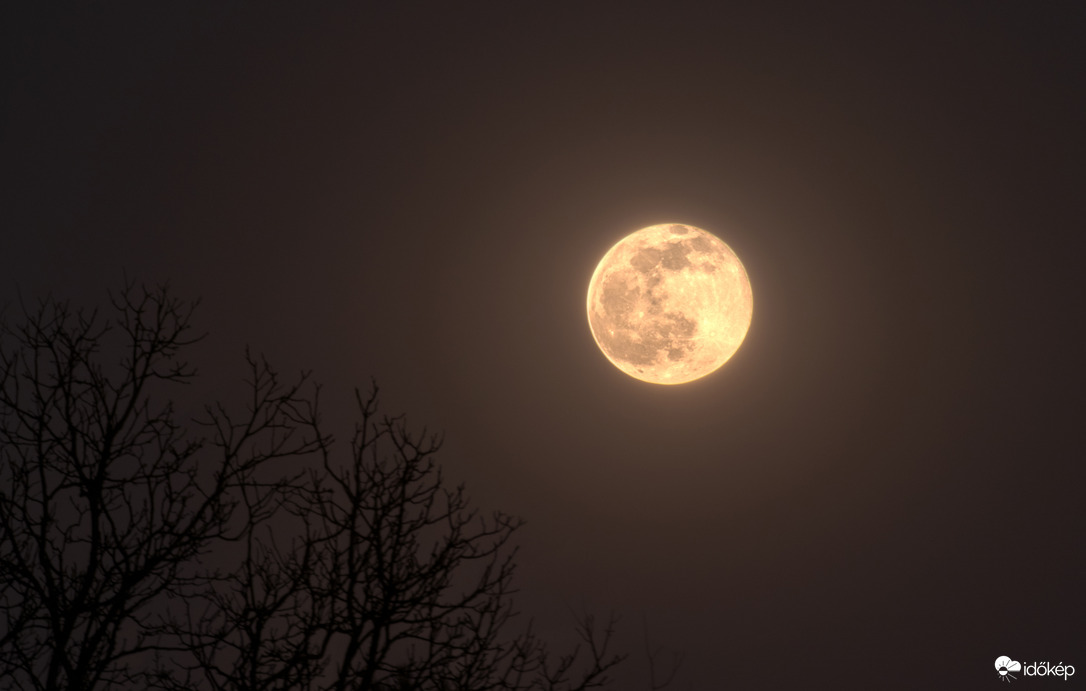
(669, 303)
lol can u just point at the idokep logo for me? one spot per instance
(1004, 666)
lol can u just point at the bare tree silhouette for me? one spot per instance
(103, 513)
(136, 553)
(391, 581)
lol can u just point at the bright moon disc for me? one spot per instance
(669, 303)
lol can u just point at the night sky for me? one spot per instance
(882, 489)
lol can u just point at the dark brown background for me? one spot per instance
(882, 489)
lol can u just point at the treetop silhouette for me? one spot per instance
(250, 552)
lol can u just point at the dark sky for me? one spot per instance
(883, 488)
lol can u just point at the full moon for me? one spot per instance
(669, 304)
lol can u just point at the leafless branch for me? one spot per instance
(137, 553)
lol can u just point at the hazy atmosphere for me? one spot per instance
(883, 487)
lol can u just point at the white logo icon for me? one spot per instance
(1004, 665)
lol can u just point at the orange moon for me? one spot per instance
(669, 304)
